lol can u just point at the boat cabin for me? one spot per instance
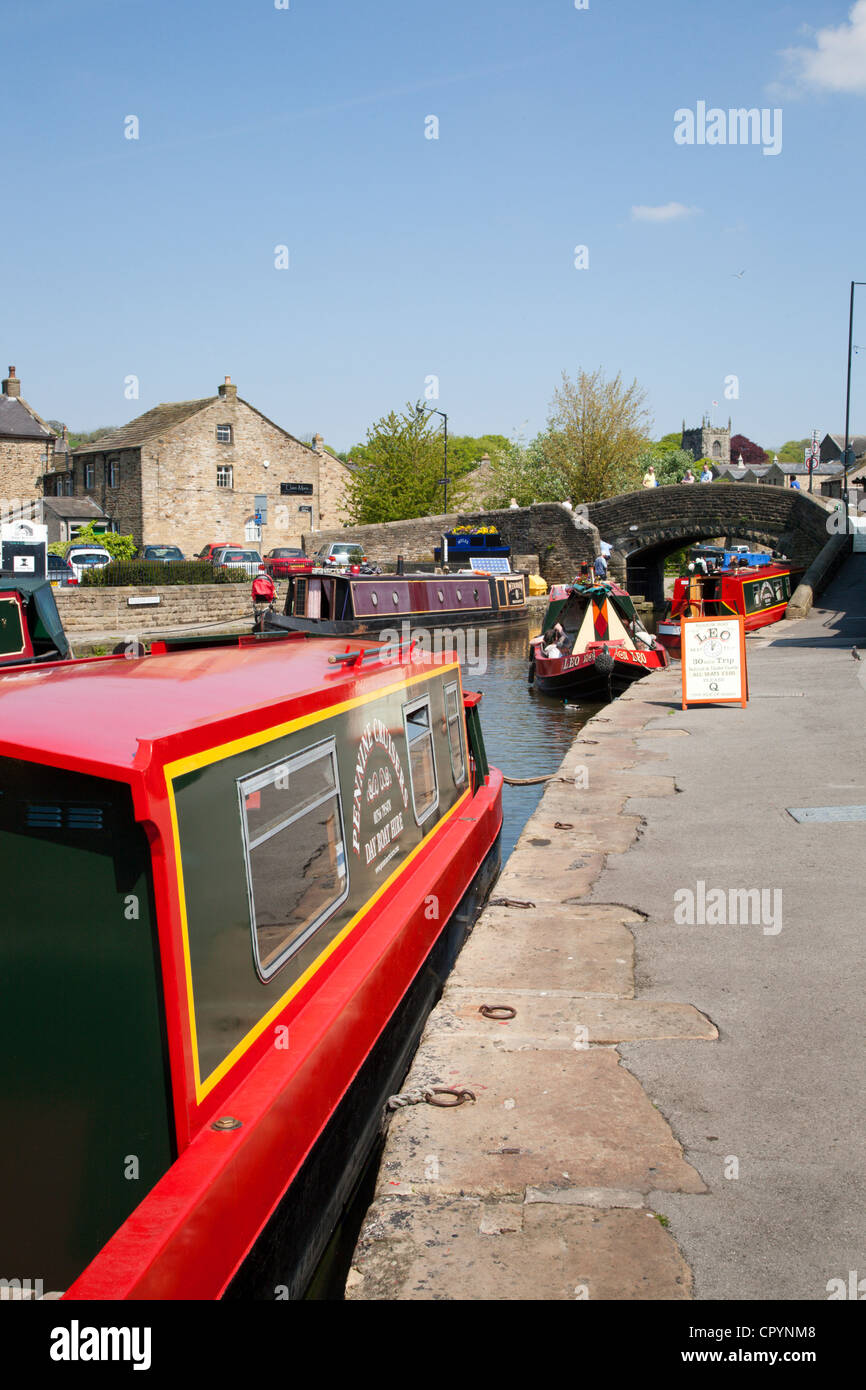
(346, 603)
(225, 869)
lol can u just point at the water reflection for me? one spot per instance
(526, 734)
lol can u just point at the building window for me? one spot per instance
(455, 737)
(422, 763)
(224, 434)
(297, 875)
(58, 488)
(717, 449)
(252, 530)
(113, 472)
(89, 476)
(69, 485)
(224, 475)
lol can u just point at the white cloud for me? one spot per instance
(837, 62)
(667, 212)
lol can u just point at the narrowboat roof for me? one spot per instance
(98, 712)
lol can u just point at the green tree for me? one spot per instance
(670, 464)
(119, 547)
(526, 473)
(793, 450)
(398, 472)
(597, 430)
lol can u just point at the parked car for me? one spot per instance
(169, 554)
(84, 557)
(213, 546)
(60, 572)
(236, 557)
(340, 553)
(287, 560)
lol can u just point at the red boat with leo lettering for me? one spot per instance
(593, 645)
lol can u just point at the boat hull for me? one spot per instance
(287, 1252)
(582, 677)
(379, 629)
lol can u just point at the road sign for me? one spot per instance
(714, 661)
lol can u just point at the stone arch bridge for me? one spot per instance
(645, 527)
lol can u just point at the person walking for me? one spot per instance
(600, 567)
(649, 478)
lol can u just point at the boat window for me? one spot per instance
(440, 595)
(297, 876)
(374, 598)
(455, 737)
(459, 596)
(395, 596)
(422, 763)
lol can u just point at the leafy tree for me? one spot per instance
(118, 547)
(792, 451)
(398, 472)
(597, 429)
(465, 450)
(752, 453)
(526, 473)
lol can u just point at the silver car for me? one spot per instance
(231, 557)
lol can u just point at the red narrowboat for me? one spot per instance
(757, 593)
(593, 645)
(234, 879)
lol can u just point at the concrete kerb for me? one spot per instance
(559, 1123)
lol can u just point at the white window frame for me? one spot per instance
(263, 777)
(227, 470)
(113, 466)
(454, 689)
(409, 709)
(89, 476)
(231, 438)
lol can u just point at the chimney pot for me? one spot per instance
(318, 444)
(11, 385)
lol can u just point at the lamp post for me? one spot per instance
(419, 411)
(844, 488)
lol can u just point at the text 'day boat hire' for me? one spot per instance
(758, 594)
(602, 645)
(233, 881)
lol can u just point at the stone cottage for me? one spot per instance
(191, 472)
(27, 450)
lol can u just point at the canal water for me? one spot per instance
(525, 735)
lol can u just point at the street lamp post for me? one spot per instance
(420, 410)
(844, 487)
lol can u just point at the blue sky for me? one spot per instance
(411, 257)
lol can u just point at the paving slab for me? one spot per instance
(563, 1021)
(438, 1248)
(572, 948)
(563, 1118)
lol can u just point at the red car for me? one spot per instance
(285, 561)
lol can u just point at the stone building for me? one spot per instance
(27, 449)
(708, 441)
(191, 472)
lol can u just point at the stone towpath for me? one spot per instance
(716, 1087)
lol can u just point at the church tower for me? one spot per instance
(708, 441)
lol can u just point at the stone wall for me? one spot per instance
(109, 610)
(21, 469)
(559, 538)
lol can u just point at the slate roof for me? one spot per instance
(18, 421)
(855, 441)
(144, 427)
(71, 508)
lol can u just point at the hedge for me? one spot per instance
(157, 572)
